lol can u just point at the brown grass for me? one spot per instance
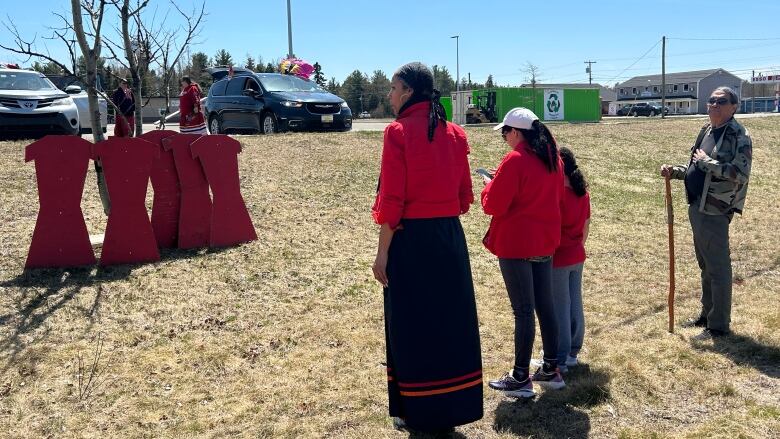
(283, 337)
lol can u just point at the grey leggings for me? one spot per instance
(529, 285)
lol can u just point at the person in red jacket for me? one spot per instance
(568, 262)
(191, 119)
(434, 365)
(523, 197)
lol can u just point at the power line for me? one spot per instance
(723, 39)
(635, 62)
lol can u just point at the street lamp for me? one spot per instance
(457, 62)
(289, 31)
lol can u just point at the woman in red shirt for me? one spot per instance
(191, 120)
(568, 261)
(524, 199)
(434, 365)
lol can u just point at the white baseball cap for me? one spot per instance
(519, 117)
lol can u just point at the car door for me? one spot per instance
(234, 108)
(254, 104)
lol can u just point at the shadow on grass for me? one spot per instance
(43, 292)
(746, 351)
(556, 413)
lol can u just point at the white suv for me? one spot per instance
(31, 105)
(77, 90)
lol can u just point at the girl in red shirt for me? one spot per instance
(434, 365)
(568, 261)
(524, 199)
(191, 120)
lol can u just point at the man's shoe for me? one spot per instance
(701, 322)
(512, 387)
(571, 361)
(709, 334)
(549, 380)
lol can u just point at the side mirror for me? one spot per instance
(251, 92)
(72, 89)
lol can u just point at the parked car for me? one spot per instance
(270, 103)
(623, 111)
(31, 105)
(365, 115)
(78, 91)
(646, 109)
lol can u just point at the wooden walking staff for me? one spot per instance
(670, 223)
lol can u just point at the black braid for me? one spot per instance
(571, 170)
(436, 113)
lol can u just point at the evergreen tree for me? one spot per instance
(319, 78)
(442, 80)
(354, 91)
(269, 68)
(378, 104)
(223, 58)
(489, 83)
(250, 63)
(333, 86)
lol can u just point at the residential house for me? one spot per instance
(686, 92)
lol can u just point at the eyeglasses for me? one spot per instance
(505, 131)
(719, 101)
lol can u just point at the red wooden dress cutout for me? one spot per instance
(127, 164)
(60, 238)
(167, 193)
(230, 221)
(195, 212)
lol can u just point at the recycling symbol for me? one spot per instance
(553, 104)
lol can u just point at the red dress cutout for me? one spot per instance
(167, 193)
(60, 238)
(230, 221)
(127, 164)
(195, 212)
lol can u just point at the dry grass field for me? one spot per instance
(283, 337)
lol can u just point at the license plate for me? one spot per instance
(327, 118)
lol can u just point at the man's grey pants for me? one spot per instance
(711, 241)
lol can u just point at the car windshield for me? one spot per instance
(24, 81)
(288, 83)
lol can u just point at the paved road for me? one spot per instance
(380, 124)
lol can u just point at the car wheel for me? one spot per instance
(215, 127)
(269, 125)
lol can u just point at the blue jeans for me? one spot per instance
(567, 299)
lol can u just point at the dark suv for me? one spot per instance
(272, 102)
(646, 109)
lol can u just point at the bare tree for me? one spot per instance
(172, 45)
(532, 77)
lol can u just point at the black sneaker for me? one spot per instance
(701, 322)
(709, 334)
(549, 380)
(512, 387)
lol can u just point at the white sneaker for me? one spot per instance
(563, 368)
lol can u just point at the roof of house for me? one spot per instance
(671, 78)
(606, 94)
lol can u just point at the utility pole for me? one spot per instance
(752, 92)
(457, 61)
(663, 77)
(589, 71)
(289, 32)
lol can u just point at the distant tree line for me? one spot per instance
(363, 92)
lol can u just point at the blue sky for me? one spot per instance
(496, 37)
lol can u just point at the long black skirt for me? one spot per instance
(434, 364)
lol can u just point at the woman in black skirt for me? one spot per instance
(434, 366)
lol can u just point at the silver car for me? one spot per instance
(31, 105)
(78, 92)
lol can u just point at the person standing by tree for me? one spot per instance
(124, 100)
(191, 119)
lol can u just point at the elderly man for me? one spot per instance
(716, 180)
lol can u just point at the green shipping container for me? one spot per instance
(579, 104)
(446, 102)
